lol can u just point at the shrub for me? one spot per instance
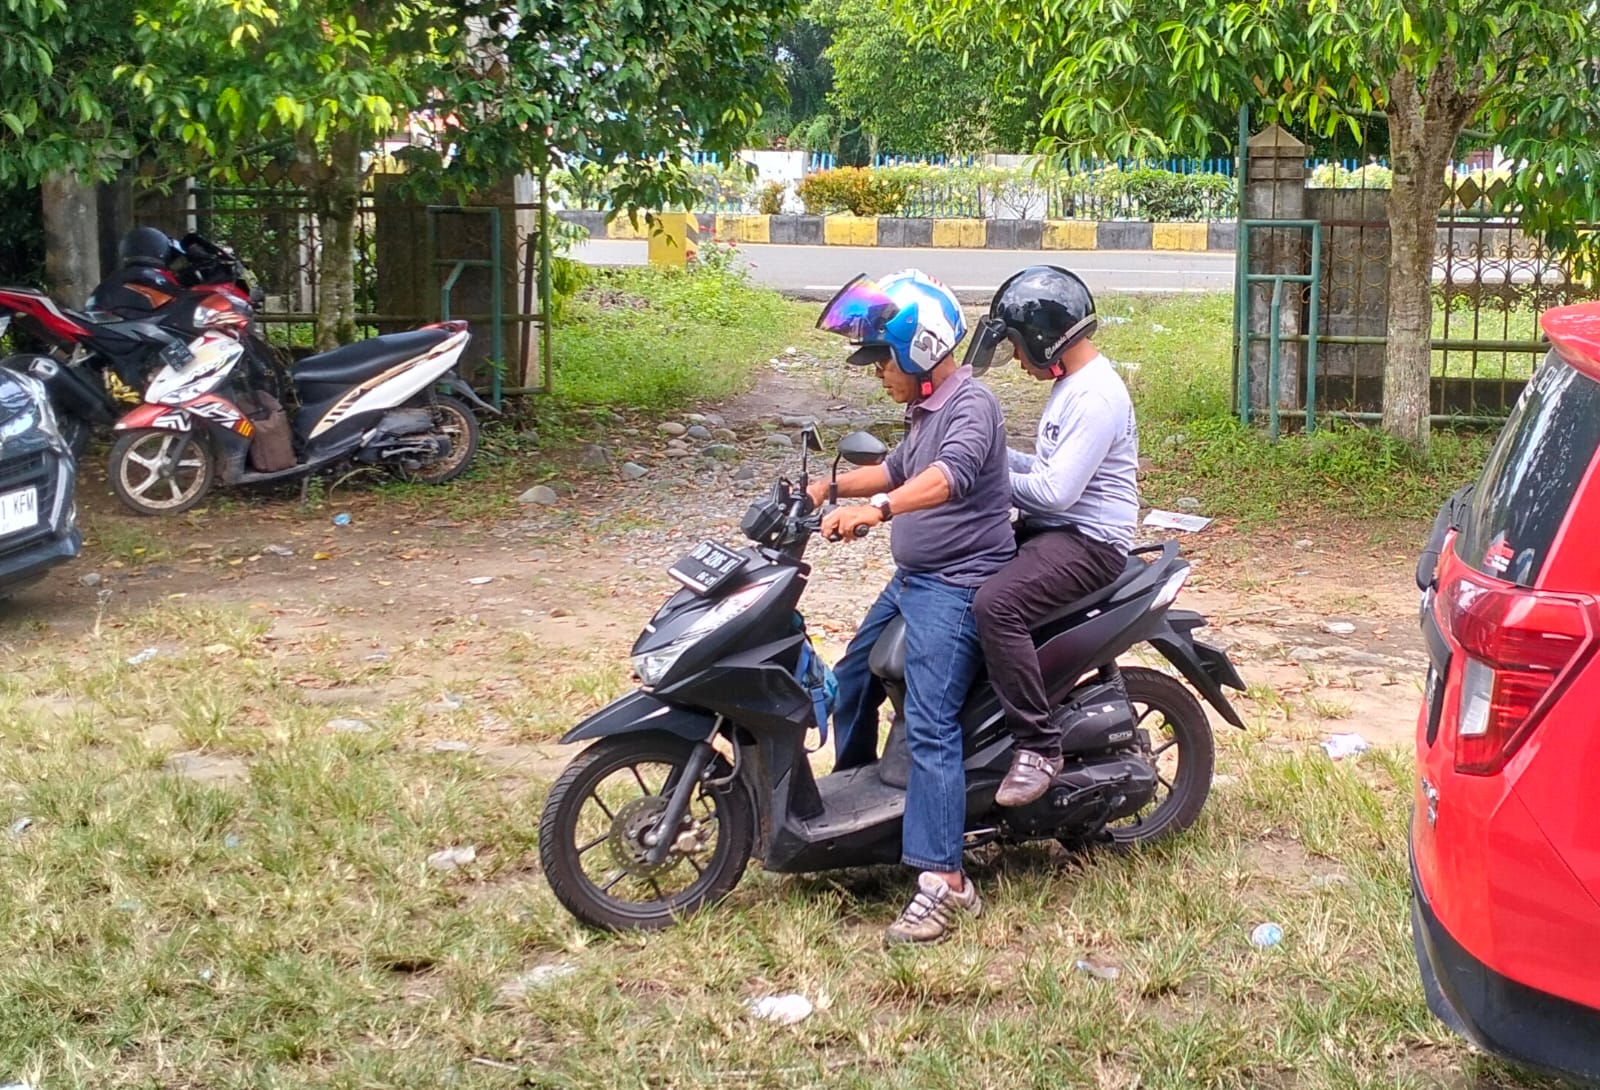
(856, 190)
(770, 201)
(1335, 176)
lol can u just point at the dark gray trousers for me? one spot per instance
(1052, 568)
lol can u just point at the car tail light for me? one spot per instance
(1522, 649)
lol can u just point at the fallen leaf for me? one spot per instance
(322, 556)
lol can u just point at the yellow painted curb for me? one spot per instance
(734, 228)
(1069, 235)
(850, 230)
(960, 234)
(1178, 236)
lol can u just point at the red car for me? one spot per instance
(1505, 837)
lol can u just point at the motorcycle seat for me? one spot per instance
(888, 657)
(357, 362)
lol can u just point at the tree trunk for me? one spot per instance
(335, 195)
(1423, 129)
(71, 238)
(1408, 361)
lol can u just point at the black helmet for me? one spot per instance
(1042, 310)
(148, 247)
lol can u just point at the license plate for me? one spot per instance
(19, 511)
(706, 567)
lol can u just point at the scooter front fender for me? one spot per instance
(638, 712)
(159, 417)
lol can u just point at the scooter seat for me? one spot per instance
(356, 362)
(888, 657)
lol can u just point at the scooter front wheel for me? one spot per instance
(599, 816)
(157, 472)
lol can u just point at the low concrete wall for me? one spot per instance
(915, 233)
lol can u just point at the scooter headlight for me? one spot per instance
(653, 666)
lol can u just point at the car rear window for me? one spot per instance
(1532, 475)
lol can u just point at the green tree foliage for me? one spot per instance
(323, 80)
(500, 86)
(917, 94)
(1134, 77)
(59, 111)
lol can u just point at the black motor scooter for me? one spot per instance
(705, 764)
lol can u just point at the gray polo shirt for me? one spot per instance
(968, 538)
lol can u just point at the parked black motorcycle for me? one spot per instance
(101, 359)
(705, 764)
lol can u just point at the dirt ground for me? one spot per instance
(1320, 619)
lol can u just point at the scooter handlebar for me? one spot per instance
(860, 531)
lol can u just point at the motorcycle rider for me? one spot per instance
(1078, 497)
(946, 488)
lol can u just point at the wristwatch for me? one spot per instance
(881, 502)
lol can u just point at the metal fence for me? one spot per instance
(414, 263)
(1489, 280)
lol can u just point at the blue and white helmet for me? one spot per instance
(910, 313)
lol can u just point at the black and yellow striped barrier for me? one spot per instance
(949, 234)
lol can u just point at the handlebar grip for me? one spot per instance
(863, 531)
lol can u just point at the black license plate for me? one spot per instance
(706, 567)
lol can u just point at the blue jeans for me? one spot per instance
(942, 658)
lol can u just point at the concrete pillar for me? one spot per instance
(411, 275)
(1355, 293)
(1275, 189)
(71, 238)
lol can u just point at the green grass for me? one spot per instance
(655, 339)
(285, 931)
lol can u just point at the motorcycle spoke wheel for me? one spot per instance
(1176, 739)
(592, 836)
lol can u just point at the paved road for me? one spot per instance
(818, 271)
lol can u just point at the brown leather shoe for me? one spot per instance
(1029, 777)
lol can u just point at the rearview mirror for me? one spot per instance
(862, 448)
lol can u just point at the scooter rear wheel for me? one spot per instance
(1181, 749)
(458, 423)
(590, 836)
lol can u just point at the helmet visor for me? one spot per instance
(991, 344)
(859, 312)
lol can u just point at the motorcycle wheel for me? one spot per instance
(1181, 749)
(459, 424)
(595, 815)
(155, 472)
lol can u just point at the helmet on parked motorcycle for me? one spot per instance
(147, 247)
(908, 317)
(1041, 311)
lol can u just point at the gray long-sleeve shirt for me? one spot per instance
(1085, 471)
(961, 430)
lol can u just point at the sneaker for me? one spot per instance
(1029, 777)
(931, 914)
